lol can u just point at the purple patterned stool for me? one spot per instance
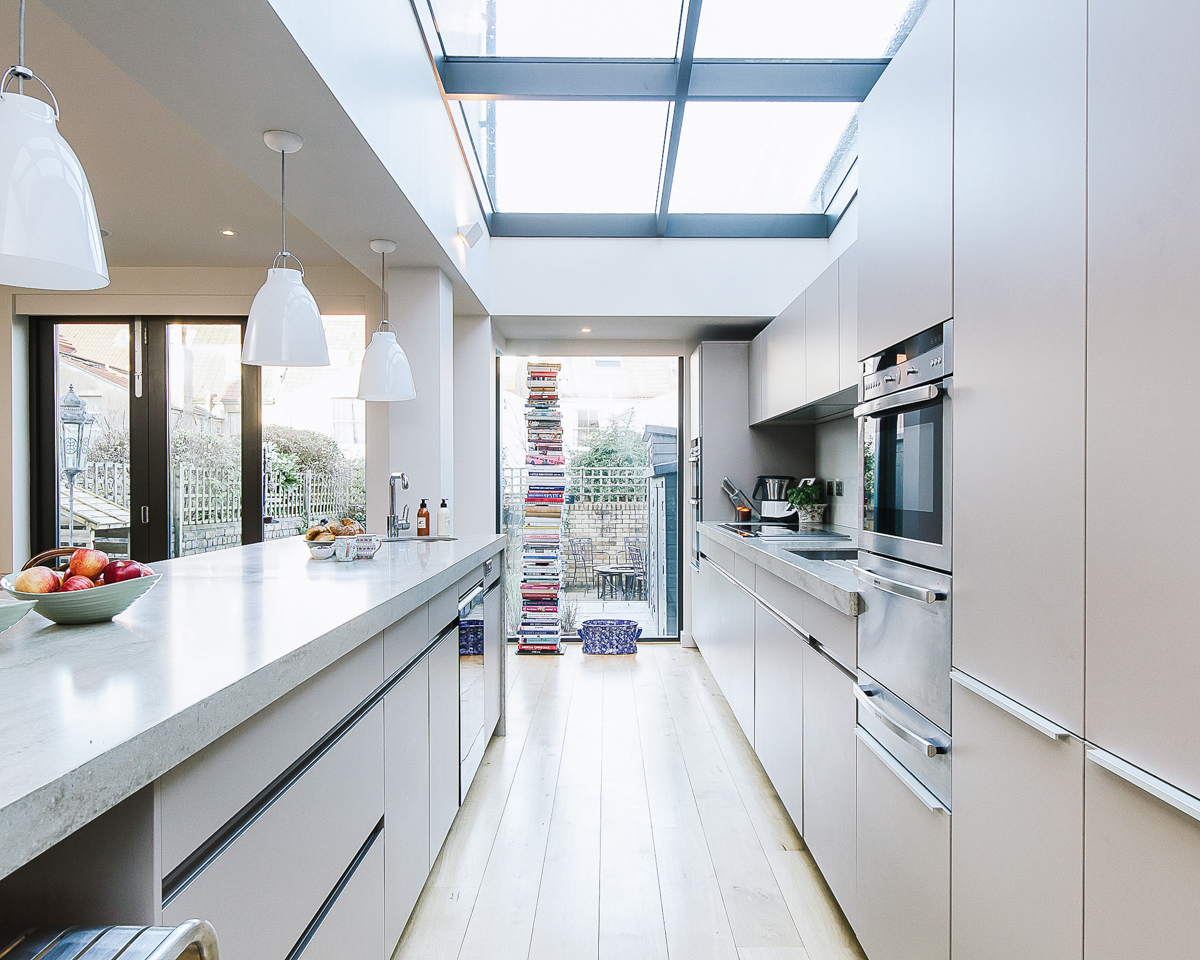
(609, 636)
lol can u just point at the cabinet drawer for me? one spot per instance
(443, 741)
(903, 868)
(353, 926)
(204, 792)
(406, 767)
(779, 709)
(405, 639)
(262, 891)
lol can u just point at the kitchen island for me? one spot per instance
(138, 757)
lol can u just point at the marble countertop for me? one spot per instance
(831, 583)
(91, 714)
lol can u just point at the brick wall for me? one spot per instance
(607, 524)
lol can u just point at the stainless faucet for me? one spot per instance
(397, 523)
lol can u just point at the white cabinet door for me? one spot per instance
(1020, 144)
(821, 335)
(779, 709)
(785, 367)
(264, 889)
(848, 369)
(443, 740)
(758, 348)
(903, 909)
(906, 133)
(493, 657)
(406, 792)
(1016, 879)
(1143, 661)
(730, 651)
(829, 775)
(1141, 873)
(353, 927)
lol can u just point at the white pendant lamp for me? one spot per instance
(386, 375)
(49, 234)
(284, 328)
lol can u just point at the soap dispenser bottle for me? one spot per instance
(423, 519)
(443, 519)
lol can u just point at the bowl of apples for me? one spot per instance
(92, 589)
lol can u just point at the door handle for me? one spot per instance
(1010, 706)
(919, 790)
(897, 587)
(931, 748)
(905, 398)
(1185, 803)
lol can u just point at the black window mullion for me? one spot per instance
(252, 474)
(149, 452)
(43, 436)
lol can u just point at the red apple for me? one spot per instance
(37, 580)
(87, 563)
(146, 571)
(77, 583)
(118, 570)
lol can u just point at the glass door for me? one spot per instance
(204, 396)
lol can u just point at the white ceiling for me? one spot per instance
(165, 102)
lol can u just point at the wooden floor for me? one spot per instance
(624, 816)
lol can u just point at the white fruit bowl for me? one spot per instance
(10, 613)
(86, 606)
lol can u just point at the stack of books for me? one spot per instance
(541, 563)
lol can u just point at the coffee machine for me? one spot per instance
(772, 491)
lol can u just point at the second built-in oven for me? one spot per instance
(905, 445)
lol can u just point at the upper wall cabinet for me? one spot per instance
(821, 335)
(906, 132)
(1019, 349)
(757, 360)
(784, 366)
(848, 370)
(1143, 661)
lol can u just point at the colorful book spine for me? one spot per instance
(541, 562)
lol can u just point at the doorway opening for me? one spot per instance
(619, 527)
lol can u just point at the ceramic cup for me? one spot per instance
(367, 544)
(345, 548)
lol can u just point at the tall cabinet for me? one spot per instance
(1143, 661)
(906, 146)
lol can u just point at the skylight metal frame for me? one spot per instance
(676, 81)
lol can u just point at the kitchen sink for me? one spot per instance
(431, 537)
(826, 554)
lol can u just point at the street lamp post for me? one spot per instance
(75, 430)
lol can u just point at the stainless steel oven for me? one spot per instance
(906, 449)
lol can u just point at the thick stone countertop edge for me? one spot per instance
(831, 584)
(89, 715)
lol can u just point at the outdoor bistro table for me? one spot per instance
(617, 578)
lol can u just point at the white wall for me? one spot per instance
(473, 507)
(837, 459)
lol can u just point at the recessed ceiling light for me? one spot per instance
(586, 330)
(105, 233)
(228, 233)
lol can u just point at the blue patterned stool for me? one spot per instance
(609, 636)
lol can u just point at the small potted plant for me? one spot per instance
(808, 502)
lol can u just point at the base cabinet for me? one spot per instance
(903, 908)
(443, 740)
(829, 776)
(779, 709)
(1017, 873)
(353, 925)
(724, 631)
(406, 793)
(1141, 873)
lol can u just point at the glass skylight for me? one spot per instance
(804, 29)
(756, 157)
(578, 157)
(558, 28)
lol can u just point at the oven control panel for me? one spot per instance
(925, 358)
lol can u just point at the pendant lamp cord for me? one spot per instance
(282, 200)
(383, 290)
(21, 49)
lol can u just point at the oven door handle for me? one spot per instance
(897, 587)
(931, 748)
(905, 398)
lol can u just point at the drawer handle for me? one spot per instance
(896, 587)
(919, 790)
(1010, 706)
(931, 748)
(1183, 802)
(190, 933)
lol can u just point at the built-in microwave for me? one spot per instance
(905, 450)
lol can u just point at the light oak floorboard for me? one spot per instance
(624, 816)
(822, 925)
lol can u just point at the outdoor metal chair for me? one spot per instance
(582, 556)
(635, 555)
